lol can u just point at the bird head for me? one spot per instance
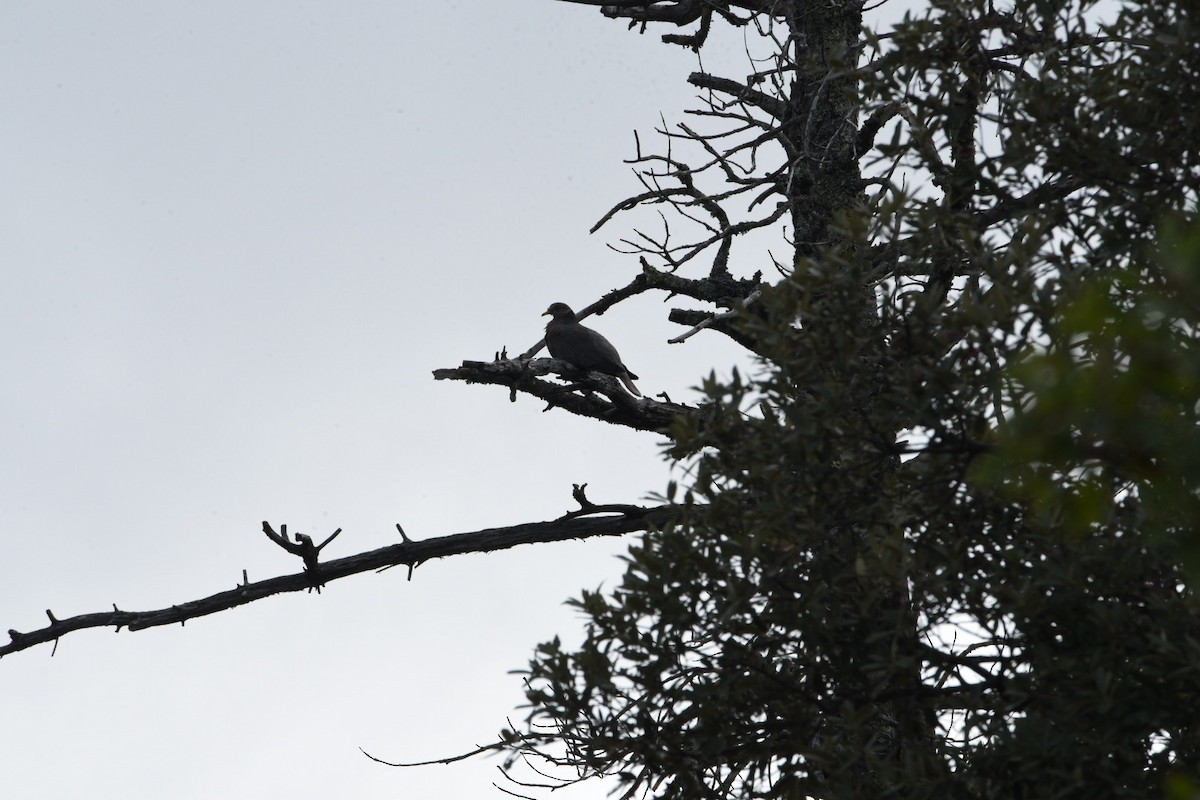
(560, 311)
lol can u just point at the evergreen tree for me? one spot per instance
(935, 544)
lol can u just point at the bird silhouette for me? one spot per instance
(584, 348)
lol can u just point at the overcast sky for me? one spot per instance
(236, 238)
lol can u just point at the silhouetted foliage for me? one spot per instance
(935, 544)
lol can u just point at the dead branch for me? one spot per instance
(721, 290)
(712, 319)
(304, 547)
(407, 552)
(764, 102)
(676, 12)
(602, 398)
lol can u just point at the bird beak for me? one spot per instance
(546, 313)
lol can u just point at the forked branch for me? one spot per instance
(408, 552)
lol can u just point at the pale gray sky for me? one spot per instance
(236, 238)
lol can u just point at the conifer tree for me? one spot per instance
(936, 543)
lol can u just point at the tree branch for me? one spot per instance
(602, 399)
(677, 12)
(724, 322)
(723, 290)
(870, 129)
(407, 552)
(772, 105)
(1012, 207)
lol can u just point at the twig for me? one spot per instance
(714, 318)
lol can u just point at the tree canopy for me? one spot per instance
(936, 543)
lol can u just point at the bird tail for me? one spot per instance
(626, 379)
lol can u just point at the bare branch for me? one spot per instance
(676, 12)
(304, 547)
(603, 398)
(633, 518)
(445, 760)
(772, 105)
(723, 291)
(726, 325)
(711, 319)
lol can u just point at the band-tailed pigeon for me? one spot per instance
(582, 347)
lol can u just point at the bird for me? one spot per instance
(582, 347)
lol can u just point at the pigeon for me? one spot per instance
(582, 347)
